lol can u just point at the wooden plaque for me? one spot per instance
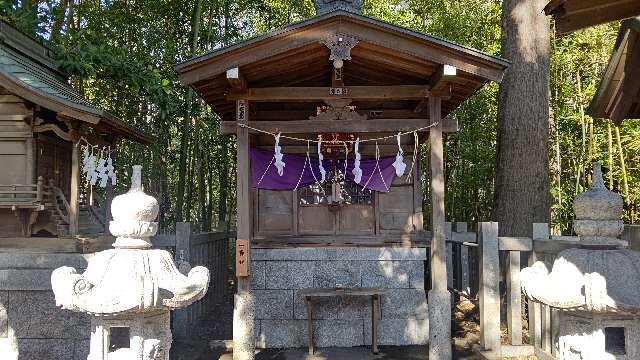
(242, 258)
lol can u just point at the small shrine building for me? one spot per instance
(330, 115)
(43, 123)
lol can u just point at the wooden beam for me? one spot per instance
(235, 79)
(309, 94)
(440, 81)
(373, 113)
(323, 126)
(574, 15)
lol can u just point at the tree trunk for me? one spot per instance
(522, 194)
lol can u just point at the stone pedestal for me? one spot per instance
(279, 275)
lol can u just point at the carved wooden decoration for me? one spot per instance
(340, 46)
(338, 109)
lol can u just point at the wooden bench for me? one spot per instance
(375, 294)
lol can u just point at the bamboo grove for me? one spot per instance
(120, 54)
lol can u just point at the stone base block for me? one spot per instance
(439, 325)
(243, 326)
(399, 332)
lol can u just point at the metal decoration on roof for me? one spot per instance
(327, 6)
(340, 46)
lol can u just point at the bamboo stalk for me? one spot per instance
(610, 152)
(623, 168)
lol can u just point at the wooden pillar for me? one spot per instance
(30, 168)
(243, 196)
(439, 298)
(244, 305)
(74, 205)
(438, 228)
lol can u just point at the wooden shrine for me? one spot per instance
(342, 76)
(42, 119)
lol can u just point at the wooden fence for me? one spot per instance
(204, 249)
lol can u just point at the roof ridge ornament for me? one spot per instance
(340, 46)
(327, 6)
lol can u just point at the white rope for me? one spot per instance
(415, 156)
(377, 167)
(347, 141)
(265, 171)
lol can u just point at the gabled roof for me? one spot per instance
(571, 15)
(618, 95)
(27, 70)
(386, 54)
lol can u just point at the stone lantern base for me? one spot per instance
(137, 337)
(584, 335)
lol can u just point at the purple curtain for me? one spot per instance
(298, 171)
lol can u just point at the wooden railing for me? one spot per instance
(204, 249)
(22, 195)
(57, 198)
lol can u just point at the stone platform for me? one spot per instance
(278, 275)
(31, 326)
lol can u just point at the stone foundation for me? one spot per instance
(278, 275)
(31, 326)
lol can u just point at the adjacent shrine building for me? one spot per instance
(42, 119)
(329, 115)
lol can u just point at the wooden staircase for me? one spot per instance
(90, 215)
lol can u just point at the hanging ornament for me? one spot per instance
(323, 172)
(278, 156)
(399, 163)
(91, 169)
(85, 161)
(111, 170)
(101, 172)
(357, 171)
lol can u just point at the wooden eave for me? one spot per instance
(571, 15)
(71, 110)
(618, 95)
(386, 55)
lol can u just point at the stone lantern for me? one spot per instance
(130, 290)
(595, 286)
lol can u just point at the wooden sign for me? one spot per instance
(241, 111)
(242, 258)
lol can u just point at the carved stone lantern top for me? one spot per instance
(134, 215)
(598, 214)
(598, 203)
(131, 278)
(327, 6)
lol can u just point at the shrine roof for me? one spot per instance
(571, 15)
(28, 70)
(618, 95)
(385, 55)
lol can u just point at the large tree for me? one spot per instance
(522, 194)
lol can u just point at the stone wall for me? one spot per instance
(278, 275)
(31, 326)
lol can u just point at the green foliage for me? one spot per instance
(121, 54)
